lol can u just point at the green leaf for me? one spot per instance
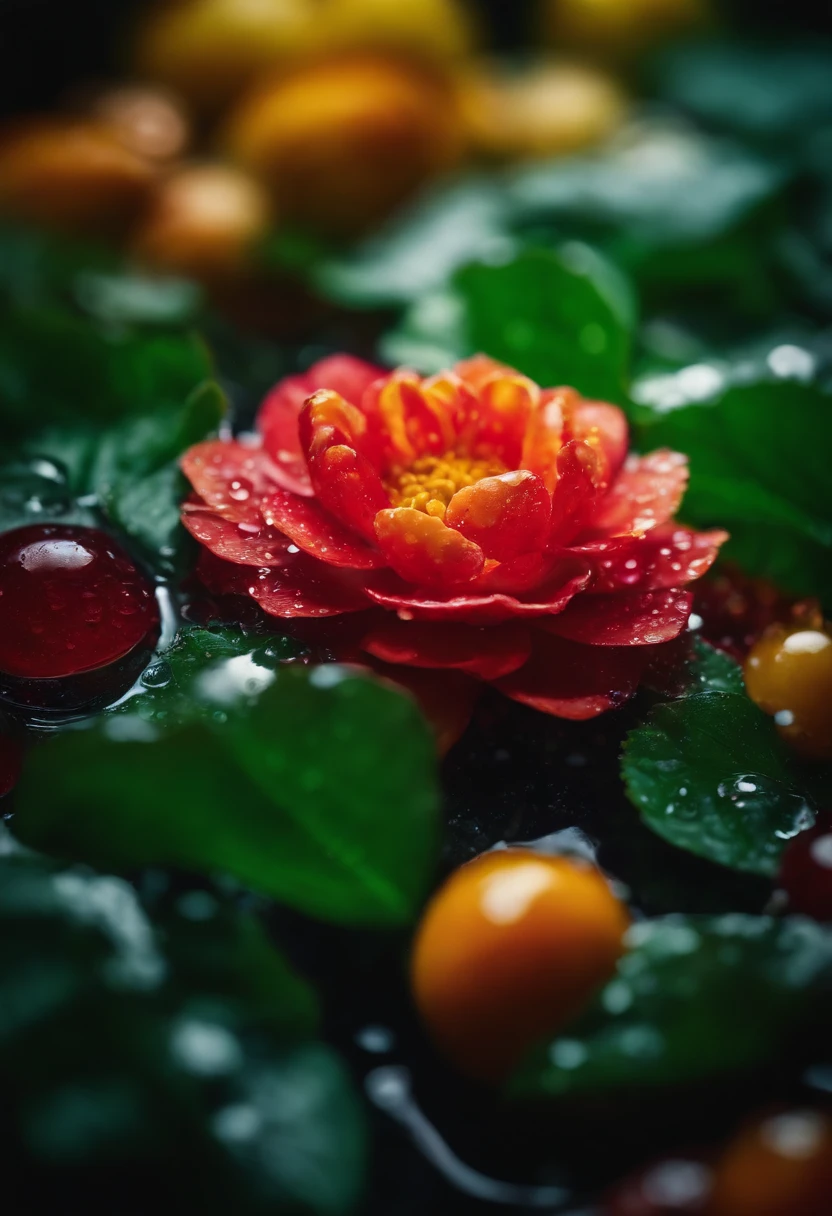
(163, 1055)
(694, 998)
(712, 670)
(758, 466)
(660, 186)
(314, 785)
(777, 93)
(417, 253)
(710, 774)
(561, 318)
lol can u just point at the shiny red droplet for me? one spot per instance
(71, 600)
(806, 871)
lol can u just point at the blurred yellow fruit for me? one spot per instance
(618, 28)
(429, 29)
(148, 121)
(210, 49)
(343, 141)
(548, 109)
(202, 221)
(72, 175)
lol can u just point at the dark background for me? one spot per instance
(47, 45)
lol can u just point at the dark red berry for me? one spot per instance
(806, 871)
(71, 600)
(678, 1186)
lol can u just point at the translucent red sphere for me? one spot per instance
(71, 601)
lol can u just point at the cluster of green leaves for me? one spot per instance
(161, 1055)
(694, 998)
(314, 785)
(709, 773)
(103, 385)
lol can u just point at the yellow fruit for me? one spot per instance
(342, 142)
(429, 29)
(550, 109)
(72, 175)
(208, 50)
(618, 28)
(509, 949)
(788, 673)
(779, 1166)
(203, 221)
(149, 122)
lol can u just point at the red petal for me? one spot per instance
(299, 586)
(576, 489)
(277, 419)
(637, 618)
(326, 420)
(544, 434)
(604, 428)
(479, 369)
(668, 556)
(422, 549)
(506, 515)
(344, 374)
(446, 698)
(349, 488)
(507, 402)
(405, 421)
(474, 608)
(229, 476)
(646, 492)
(312, 529)
(243, 543)
(485, 653)
(569, 680)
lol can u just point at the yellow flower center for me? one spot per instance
(430, 482)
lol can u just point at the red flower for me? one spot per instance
(496, 528)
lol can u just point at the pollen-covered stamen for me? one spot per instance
(430, 483)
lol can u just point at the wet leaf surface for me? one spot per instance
(693, 998)
(314, 785)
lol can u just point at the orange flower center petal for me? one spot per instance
(430, 482)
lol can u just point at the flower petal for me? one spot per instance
(486, 653)
(646, 492)
(423, 550)
(348, 486)
(299, 586)
(569, 680)
(247, 544)
(506, 515)
(576, 488)
(604, 428)
(277, 419)
(477, 608)
(446, 698)
(667, 556)
(326, 420)
(229, 476)
(545, 434)
(638, 618)
(317, 532)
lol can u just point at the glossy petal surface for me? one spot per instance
(423, 550)
(628, 619)
(486, 653)
(506, 515)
